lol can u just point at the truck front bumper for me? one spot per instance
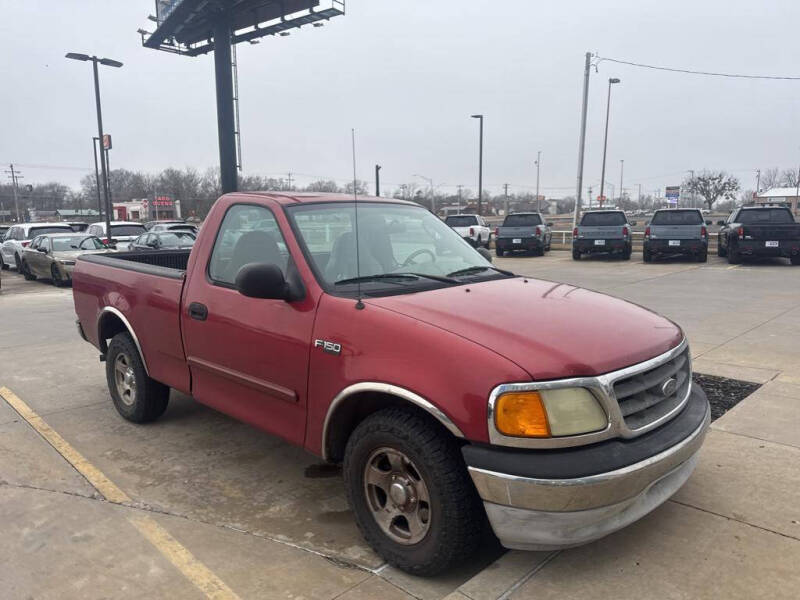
(529, 512)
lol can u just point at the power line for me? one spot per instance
(694, 72)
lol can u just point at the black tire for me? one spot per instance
(734, 257)
(626, 254)
(488, 242)
(720, 250)
(150, 398)
(26, 272)
(3, 265)
(795, 260)
(702, 256)
(456, 518)
(647, 255)
(18, 263)
(576, 254)
(498, 252)
(55, 276)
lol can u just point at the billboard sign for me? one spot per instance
(673, 192)
(106, 141)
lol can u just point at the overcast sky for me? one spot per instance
(407, 75)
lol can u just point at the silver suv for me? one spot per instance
(676, 231)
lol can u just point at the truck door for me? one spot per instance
(248, 356)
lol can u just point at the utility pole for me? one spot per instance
(621, 169)
(758, 181)
(505, 187)
(14, 176)
(691, 172)
(459, 197)
(582, 143)
(289, 182)
(377, 180)
(538, 201)
(480, 161)
(640, 195)
(590, 197)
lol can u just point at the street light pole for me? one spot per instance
(582, 143)
(377, 180)
(97, 178)
(538, 201)
(480, 162)
(109, 63)
(605, 141)
(621, 169)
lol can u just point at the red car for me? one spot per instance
(452, 391)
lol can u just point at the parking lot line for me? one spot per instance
(175, 552)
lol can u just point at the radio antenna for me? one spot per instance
(359, 303)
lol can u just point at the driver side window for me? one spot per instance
(248, 234)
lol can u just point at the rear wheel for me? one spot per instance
(3, 265)
(576, 255)
(626, 253)
(409, 489)
(18, 263)
(795, 260)
(498, 252)
(647, 255)
(136, 397)
(720, 250)
(734, 256)
(702, 256)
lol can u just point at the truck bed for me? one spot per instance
(140, 291)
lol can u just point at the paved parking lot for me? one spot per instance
(210, 506)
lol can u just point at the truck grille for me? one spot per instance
(647, 396)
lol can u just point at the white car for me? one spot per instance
(19, 237)
(122, 232)
(472, 228)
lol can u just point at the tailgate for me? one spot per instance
(516, 232)
(601, 232)
(772, 232)
(676, 232)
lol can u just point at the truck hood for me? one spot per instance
(551, 330)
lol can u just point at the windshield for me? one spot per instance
(765, 215)
(174, 239)
(522, 220)
(393, 238)
(76, 242)
(461, 221)
(603, 218)
(127, 230)
(677, 217)
(34, 231)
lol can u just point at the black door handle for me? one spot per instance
(198, 311)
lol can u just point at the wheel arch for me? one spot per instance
(356, 402)
(110, 322)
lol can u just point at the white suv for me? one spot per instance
(472, 228)
(19, 236)
(121, 231)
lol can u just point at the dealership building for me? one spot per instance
(161, 207)
(778, 195)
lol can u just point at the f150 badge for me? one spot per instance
(329, 347)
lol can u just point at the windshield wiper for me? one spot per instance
(390, 276)
(477, 269)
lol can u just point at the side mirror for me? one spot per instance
(549, 223)
(720, 222)
(152, 244)
(485, 253)
(708, 222)
(633, 223)
(262, 280)
(42, 250)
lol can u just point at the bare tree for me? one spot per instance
(788, 178)
(323, 185)
(713, 185)
(770, 178)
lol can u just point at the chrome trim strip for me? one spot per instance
(602, 388)
(592, 491)
(385, 388)
(115, 311)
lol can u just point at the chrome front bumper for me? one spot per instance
(547, 514)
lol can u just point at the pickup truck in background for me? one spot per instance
(759, 231)
(523, 231)
(676, 232)
(472, 228)
(602, 232)
(386, 352)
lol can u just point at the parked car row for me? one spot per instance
(50, 250)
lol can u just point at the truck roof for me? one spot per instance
(313, 197)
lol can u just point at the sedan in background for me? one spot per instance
(53, 255)
(163, 240)
(174, 227)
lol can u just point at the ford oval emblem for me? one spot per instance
(669, 387)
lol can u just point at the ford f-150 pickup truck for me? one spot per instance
(472, 228)
(523, 231)
(759, 231)
(369, 333)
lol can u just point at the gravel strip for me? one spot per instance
(723, 393)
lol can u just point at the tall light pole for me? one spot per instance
(430, 184)
(611, 82)
(582, 141)
(621, 169)
(480, 162)
(109, 63)
(95, 142)
(538, 201)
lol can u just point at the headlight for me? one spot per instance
(549, 413)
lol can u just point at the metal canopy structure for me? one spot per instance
(195, 27)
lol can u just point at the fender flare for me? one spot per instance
(117, 313)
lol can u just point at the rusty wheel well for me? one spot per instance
(357, 407)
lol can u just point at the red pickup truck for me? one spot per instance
(451, 391)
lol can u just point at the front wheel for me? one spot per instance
(55, 276)
(411, 494)
(136, 397)
(18, 263)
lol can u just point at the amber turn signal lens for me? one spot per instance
(521, 414)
